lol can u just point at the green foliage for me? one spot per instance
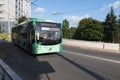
(118, 31)
(65, 29)
(21, 19)
(111, 28)
(94, 30)
(5, 36)
(72, 32)
(89, 29)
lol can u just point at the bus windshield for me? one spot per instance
(48, 33)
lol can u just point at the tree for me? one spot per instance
(89, 29)
(111, 27)
(21, 19)
(118, 30)
(65, 29)
(72, 32)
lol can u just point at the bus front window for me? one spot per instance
(49, 35)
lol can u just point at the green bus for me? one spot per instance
(38, 36)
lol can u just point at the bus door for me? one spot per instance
(29, 38)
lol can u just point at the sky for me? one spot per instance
(73, 11)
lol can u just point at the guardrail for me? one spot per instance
(92, 44)
(6, 73)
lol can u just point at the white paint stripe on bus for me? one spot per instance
(75, 53)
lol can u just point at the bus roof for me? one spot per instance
(34, 19)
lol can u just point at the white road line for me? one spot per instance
(75, 53)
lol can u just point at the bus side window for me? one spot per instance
(31, 31)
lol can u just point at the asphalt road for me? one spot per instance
(72, 64)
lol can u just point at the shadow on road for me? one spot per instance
(26, 66)
(91, 73)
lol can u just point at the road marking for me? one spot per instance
(75, 53)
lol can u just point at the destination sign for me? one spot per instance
(50, 29)
(48, 25)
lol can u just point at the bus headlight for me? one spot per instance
(36, 48)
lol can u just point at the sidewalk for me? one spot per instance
(99, 46)
(95, 49)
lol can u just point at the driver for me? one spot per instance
(46, 36)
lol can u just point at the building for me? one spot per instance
(23, 8)
(10, 11)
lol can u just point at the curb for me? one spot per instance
(6, 73)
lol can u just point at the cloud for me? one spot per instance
(116, 4)
(74, 20)
(40, 10)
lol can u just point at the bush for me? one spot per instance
(5, 36)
